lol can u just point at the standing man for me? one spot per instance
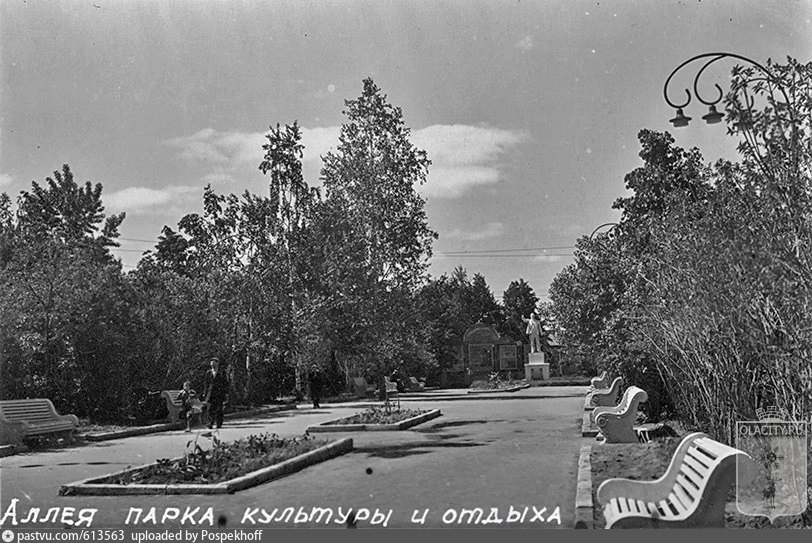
(216, 392)
(316, 384)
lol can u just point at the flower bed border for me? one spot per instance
(402, 425)
(497, 390)
(89, 487)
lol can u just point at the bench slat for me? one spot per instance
(683, 495)
(676, 504)
(706, 456)
(700, 468)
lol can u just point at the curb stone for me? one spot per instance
(402, 425)
(89, 487)
(584, 515)
(163, 427)
(586, 426)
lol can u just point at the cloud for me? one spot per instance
(491, 230)
(143, 198)
(209, 145)
(5, 179)
(463, 156)
(234, 155)
(525, 44)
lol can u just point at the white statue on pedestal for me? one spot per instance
(533, 331)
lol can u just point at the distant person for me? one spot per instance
(316, 379)
(533, 331)
(216, 388)
(187, 398)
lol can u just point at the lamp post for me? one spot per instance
(755, 80)
(713, 116)
(612, 224)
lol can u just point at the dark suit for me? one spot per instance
(216, 392)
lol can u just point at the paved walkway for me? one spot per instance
(520, 452)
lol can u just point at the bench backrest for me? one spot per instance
(360, 382)
(631, 393)
(605, 394)
(391, 386)
(701, 458)
(29, 410)
(172, 396)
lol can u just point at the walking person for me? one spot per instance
(216, 388)
(316, 379)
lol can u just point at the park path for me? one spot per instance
(498, 454)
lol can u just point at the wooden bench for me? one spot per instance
(360, 387)
(616, 424)
(691, 494)
(391, 390)
(415, 385)
(605, 398)
(174, 405)
(20, 419)
(599, 383)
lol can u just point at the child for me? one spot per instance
(188, 399)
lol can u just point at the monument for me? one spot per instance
(536, 369)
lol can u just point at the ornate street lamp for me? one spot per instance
(752, 81)
(713, 116)
(604, 225)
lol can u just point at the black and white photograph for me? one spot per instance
(403, 265)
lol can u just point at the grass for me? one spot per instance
(644, 462)
(378, 415)
(221, 462)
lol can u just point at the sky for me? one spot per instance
(529, 110)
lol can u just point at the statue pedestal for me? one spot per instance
(536, 368)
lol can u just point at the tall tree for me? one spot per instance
(371, 180)
(64, 303)
(374, 173)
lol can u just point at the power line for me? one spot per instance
(464, 255)
(143, 240)
(556, 248)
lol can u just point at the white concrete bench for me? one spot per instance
(616, 424)
(32, 417)
(415, 385)
(605, 398)
(599, 383)
(391, 390)
(174, 404)
(360, 387)
(692, 493)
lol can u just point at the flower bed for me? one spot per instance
(376, 414)
(223, 468)
(497, 385)
(377, 418)
(650, 461)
